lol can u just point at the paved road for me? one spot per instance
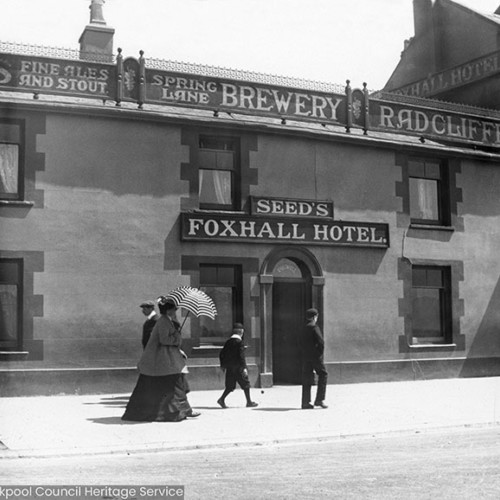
(454, 465)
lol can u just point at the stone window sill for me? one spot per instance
(433, 347)
(431, 227)
(16, 203)
(13, 355)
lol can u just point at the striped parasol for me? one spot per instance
(194, 300)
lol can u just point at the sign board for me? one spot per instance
(131, 81)
(285, 207)
(433, 123)
(236, 228)
(470, 72)
(57, 76)
(179, 89)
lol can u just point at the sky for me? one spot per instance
(323, 40)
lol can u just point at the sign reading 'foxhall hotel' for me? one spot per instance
(274, 220)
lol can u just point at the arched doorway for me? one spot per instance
(291, 297)
(291, 281)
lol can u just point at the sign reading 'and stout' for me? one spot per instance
(253, 229)
(54, 76)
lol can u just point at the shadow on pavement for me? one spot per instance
(244, 408)
(275, 409)
(114, 401)
(114, 421)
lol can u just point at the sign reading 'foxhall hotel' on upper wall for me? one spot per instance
(275, 220)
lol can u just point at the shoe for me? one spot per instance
(193, 414)
(252, 404)
(308, 406)
(221, 403)
(321, 403)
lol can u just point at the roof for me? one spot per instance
(170, 113)
(487, 15)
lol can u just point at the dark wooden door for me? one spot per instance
(288, 317)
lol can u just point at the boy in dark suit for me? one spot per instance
(232, 359)
(312, 346)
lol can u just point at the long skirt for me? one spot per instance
(159, 399)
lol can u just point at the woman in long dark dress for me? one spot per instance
(160, 394)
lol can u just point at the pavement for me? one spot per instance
(43, 426)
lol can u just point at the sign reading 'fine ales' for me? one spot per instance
(238, 228)
(57, 76)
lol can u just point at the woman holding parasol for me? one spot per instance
(161, 391)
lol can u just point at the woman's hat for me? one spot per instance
(164, 301)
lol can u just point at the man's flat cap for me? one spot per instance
(310, 313)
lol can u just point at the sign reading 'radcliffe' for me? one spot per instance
(254, 229)
(413, 120)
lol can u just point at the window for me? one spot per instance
(428, 192)
(10, 164)
(218, 173)
(287, 268)
(10, 304)
(431, 305)
(223, 284)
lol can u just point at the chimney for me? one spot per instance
(96, 41)
(422, 16)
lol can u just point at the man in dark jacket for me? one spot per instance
(312, 346)
(148, 309)
(232, 359)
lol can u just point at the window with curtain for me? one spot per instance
(427, 192)
(218, 173)
(431, 305)
(10, 277)
(223, 284)
(9, 161)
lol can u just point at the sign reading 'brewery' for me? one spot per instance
(253, 229)
(248, 98)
